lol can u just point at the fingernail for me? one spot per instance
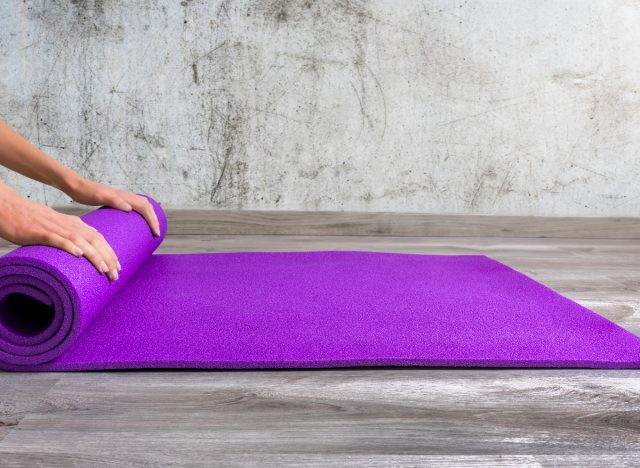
(126, 207)
(114, 275)
(119, 266)
(77, 252)
(103, 267)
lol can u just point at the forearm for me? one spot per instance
(27, 223)
(19, 155)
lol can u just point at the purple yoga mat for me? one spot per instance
(302, 309)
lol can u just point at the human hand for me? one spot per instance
(88, 192)
(24, 222)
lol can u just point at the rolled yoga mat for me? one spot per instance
(302, 309)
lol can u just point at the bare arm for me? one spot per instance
(25, 222)
(19, 155)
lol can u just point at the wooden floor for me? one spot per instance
(362, 417)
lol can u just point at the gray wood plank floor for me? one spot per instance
(357, 417)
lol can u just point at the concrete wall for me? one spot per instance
(504, 107)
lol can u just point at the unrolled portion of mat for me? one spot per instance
(302, 309)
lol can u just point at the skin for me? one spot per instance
(24, 222)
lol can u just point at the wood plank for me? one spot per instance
(351, 417)
(396, 224)
(448, 416)
(19, 394)
(319, 223)
(79, 459)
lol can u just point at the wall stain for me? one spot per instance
(156, 141)
(194, 74)
(257, 104)
(88, 6)
(226, 139)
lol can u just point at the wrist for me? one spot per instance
(70, 183)
(8, 198)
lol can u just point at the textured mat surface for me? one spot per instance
(304, 309)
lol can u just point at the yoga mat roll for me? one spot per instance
(48, 297)
(286, 310)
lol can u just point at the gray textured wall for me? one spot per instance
(527, 107)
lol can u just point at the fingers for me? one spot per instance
(72, 235)
(78, 236)
(98, 251)
(126, 201)
(110, 258)
(62, 243)
(122, 204)
(38, 225)
(143, 206)
(92, 254)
